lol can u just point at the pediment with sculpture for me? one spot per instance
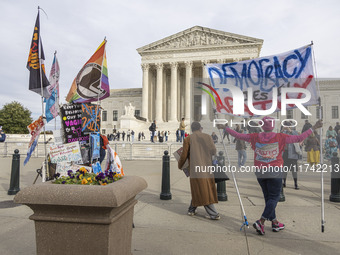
(199, 37)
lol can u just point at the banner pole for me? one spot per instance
(321, 149)
(244, 216)
(245, 223)
(99, 101)
(56, 94)
(42, 102)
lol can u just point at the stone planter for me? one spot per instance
(82, 219)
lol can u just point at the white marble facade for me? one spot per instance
(173, 64)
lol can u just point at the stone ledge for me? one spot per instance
(112, 195)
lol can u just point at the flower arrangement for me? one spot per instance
(82, 176)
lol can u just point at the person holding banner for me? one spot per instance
(268, 147)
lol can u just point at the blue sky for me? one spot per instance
(76, 28)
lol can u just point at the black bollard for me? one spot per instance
(15, 174)
(335, 179)
(166, 194)
(221, 186)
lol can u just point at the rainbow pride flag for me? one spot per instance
(92, 82)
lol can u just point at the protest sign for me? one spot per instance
(69, 152)
(90, 117)
(71, 119)
(263, 85)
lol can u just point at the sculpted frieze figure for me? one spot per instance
(198, 38)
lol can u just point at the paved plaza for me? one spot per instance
(162, 227)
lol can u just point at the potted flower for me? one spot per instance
(93, 217)
(83, 177)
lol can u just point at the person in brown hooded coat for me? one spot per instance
(199, 148)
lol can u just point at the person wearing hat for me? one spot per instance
(268, 147)
(199, 148)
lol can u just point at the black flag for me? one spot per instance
(34, 65)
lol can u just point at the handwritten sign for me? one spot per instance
(90, 118)
(69, 152)
(256, 80)
(71, 119)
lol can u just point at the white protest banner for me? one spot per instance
(264, 85)
(69, 152)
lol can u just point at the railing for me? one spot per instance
(125, 150)
(7, 149)
(132, 151)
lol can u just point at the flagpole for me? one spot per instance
(56, 94)
(42, 100)
(98, 104)
(321, 150)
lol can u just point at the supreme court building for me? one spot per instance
(171, 69)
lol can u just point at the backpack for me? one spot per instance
(332, 144)
(150, 128)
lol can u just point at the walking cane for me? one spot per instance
(245, 223)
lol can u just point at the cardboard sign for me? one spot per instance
(185, 168)
(90, 118)
(69, 152)
(71, 119)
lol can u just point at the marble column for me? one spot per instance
(188, 90)
(159, 93)
(174, 103)
(145, 95)
(205, 79)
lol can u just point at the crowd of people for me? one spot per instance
(120, 136)
(156, 135)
